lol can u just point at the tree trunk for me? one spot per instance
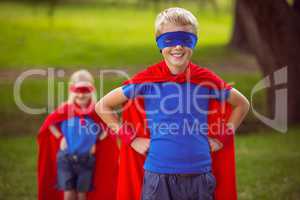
(239, 39)
(273, 30)
(296, 6)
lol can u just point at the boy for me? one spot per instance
(175, 96)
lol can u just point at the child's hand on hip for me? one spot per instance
(103, 135)
(141, 145)
(63, 144)
(215, 145)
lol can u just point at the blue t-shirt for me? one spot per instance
(177, 119)
(80, 134)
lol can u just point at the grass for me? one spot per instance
(93, 36)
(267, 166)
(18, 168)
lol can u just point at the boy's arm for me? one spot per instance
(102, 136)
(240, 107)
(141, 145)
(105, 108)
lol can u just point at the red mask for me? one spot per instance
(81, 89)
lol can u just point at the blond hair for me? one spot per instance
(82, 77)
(176, 16)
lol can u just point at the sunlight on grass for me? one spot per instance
(93, 36)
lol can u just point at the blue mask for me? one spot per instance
(171, 39)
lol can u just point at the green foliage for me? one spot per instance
(268, 165)
(95, 36)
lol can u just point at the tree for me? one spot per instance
(271, 29)
(239, 39)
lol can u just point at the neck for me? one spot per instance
(83, 106)
(176, 69)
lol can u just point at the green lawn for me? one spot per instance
(95, 36)
(267, 166)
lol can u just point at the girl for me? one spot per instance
(74, 136)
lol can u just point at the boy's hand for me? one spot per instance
(141, 145)
(103, 135)
(215, 145)
(127, 134)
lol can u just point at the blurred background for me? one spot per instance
(243, 41)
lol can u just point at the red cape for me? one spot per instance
(223, 162)
(107, 155)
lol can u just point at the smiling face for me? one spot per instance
(82, 99)
(177, 57)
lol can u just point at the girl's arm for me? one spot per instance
(55, 131)
(57, 134)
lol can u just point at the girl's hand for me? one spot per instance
(93, 150)
(63, 144)
(215, 145)
(103, 135)
(141, 145)
(57, 134)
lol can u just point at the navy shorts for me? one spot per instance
(75, 172)
(178, 186)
